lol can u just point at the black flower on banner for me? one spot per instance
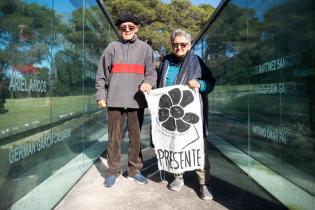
(172, 114)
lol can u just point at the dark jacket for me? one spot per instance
(191, 68)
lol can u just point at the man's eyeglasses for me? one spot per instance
(182, 45)
(125, 28)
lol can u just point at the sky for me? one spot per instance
(214, 3)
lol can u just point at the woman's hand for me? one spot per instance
(193, 84)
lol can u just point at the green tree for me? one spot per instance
(25, 37)
(158, 19)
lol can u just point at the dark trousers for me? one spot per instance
(116, 118)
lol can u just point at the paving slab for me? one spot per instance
(232, 189)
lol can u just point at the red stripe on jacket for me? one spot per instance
(128, 68)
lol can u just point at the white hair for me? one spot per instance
(179, 32)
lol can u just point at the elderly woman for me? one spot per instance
(184, 67)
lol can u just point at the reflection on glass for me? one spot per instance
(48, 58)
(24, 78)
(262, 53)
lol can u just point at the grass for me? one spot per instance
(31, 112)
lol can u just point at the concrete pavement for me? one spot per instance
(232, 189)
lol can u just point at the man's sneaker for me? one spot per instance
(176, 184)
(139, 178)
(206, 192)
(110, 181)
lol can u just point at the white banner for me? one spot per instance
(177, 128)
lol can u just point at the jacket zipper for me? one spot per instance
(127, 52)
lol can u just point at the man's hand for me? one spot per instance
(193, 84)
(145, 87)
(101, 103)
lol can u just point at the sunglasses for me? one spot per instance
(125, 28)
(182, 45)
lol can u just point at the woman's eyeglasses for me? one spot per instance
(182, 45)
(125, 28)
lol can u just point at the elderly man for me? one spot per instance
(125, 70)
(186, 68)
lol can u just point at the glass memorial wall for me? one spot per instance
(50, 126)
(262, 54)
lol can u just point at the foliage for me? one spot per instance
(50, 41)
(242, 38)
(25, 35)
(159, 19)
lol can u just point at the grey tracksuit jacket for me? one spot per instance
(122, 68)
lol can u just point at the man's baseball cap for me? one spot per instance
(127, 18)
